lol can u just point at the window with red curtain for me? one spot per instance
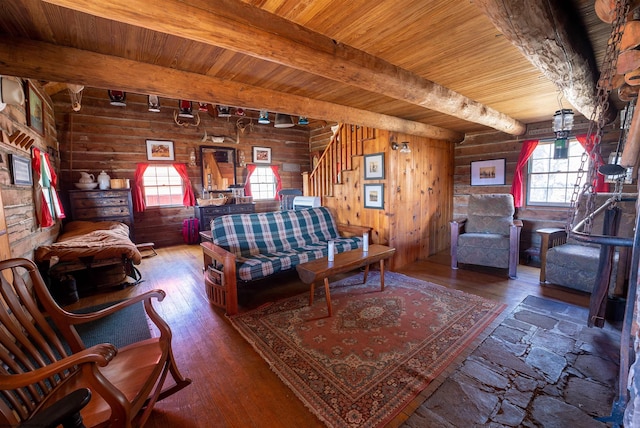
(161, 185)
(517, 189)
(263, 182)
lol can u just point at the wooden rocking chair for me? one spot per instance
(37, 371)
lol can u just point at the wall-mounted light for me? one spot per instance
(117, 98)
(303, 120)
(404, 146)
(154, 103)
(192, 157)
(263, 119)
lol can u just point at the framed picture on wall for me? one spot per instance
(35, 110)
(488, 173)
(160, 150)
(374, 166)
(20, 170)
(261, 155)
(374, 196)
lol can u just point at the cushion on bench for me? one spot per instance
(266, 243)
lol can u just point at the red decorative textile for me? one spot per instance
(599, 185)
(274, 168)
(47, 201)
(517, 191)
(188, 199)
(137, 188)
(377, 352)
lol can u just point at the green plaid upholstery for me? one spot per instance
(267, 243)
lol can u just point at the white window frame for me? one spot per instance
(263, 183)
(167, 183)
(559, 174)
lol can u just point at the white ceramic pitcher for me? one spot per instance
(86, 178)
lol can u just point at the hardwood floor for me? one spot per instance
(232, 385)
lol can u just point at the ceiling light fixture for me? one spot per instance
(118, 98)
(283, 121)
(224, 111)
(263, 119)
(303, 120)
(562, 126)
(154, 103)
(186, 109)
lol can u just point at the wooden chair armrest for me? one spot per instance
(212, 253)
(549, 238)
(99, 354)
(517, 223)
(354, 230)
(75, 318)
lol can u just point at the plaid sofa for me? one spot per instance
(271, 242)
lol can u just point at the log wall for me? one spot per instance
(22, 226)
(110, 138)
(498, 145)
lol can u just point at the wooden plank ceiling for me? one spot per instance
(439, 68)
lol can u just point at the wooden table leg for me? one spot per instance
(313, 286)
(327, 296)
(366, 272)
(381, 275)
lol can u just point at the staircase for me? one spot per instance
(347, 141)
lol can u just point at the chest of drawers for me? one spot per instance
(208, 213)
(102, 205)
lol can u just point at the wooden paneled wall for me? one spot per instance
(499, 145)
(110, 138)
(418, 193)
(18, 200)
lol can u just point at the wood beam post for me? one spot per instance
(551, 41)
(44, 61)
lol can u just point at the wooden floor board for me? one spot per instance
(232, 385)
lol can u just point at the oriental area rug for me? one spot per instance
(378, 351)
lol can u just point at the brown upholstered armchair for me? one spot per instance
(573, 263)
(489, 236)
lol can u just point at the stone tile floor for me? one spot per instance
(541, 367)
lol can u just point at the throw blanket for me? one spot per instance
(99, 240)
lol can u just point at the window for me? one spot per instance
(162, 186)
(551, 181)
(263, 183)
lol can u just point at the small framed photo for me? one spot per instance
(374, 166)
(20, 170)
(35, 110)
(160, 150)
(488, 173)
(261, 155)
(374, 196)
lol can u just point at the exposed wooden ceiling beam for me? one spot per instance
(243, 28)
(552, 41)
(44, 61)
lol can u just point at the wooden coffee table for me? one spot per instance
(320, 269)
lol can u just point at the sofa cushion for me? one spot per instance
(576, 266)
(248, 235)
(491, 213)
(262, 265)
